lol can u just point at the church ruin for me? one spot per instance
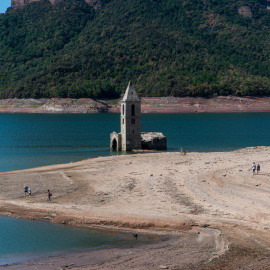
(131, 137)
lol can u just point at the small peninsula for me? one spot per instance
(212, 209)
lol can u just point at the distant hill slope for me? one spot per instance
(166, 47)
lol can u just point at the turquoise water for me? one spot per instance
(31, 140)
(25, 239)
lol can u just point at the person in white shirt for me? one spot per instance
(253, 167)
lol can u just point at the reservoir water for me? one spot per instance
(25, 239)
(32, 140)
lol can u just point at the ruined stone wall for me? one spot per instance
(116, 141)
(154, 141)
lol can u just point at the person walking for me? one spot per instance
(258, 168)
(49, 196)
(253, 167)
(29, 192)
(25, 190)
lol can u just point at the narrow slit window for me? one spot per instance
(123, 110)
(132, 109)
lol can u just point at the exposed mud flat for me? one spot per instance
(215, 212)
(149, 105)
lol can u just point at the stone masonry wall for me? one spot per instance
(154, 140)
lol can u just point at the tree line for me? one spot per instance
(166, 47)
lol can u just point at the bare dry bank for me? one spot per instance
(212, 202)
(149, 105)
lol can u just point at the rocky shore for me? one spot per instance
(149, 105)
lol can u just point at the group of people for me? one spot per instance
(254, 168)
(27, 191)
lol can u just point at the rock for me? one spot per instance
(20, 3)
(245, 11)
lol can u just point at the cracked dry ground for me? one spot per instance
(216, 211)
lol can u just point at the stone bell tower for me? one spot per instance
(130, 120)
(131, 136)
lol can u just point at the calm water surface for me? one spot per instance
(31, 140)
(24, 239)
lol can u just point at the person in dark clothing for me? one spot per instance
(49, 196)
(258, 168)
(25, 190)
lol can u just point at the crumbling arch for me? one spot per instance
(114, 144)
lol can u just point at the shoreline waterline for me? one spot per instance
(221, 104)
(198, 197)
(101, 239)
(31, 140)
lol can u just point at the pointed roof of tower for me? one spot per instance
(130, 94)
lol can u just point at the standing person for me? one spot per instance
(29, 192)
(49, 195)
(253, 167)
(25, 190)
(258, 168)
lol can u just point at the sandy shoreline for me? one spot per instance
(217, 211)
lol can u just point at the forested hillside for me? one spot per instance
(166, 47)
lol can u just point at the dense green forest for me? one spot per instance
(166, 47)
